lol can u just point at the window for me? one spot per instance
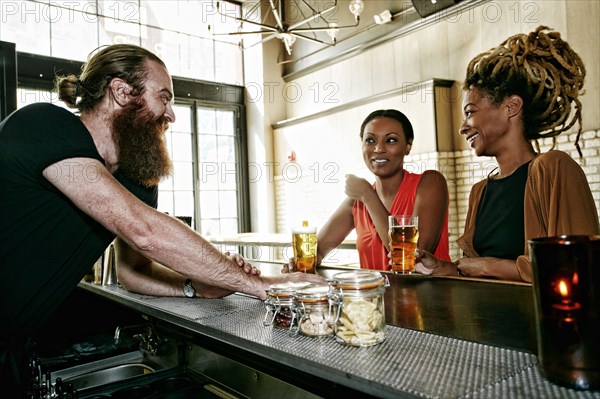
(217, 171)
(207, 170)
(26, 96)
(58, 35)
(176, 194)
(178, 31)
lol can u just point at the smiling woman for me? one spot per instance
(526, 88)
(387, 137)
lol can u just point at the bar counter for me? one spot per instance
(445, 338)
(261, 239)
(260, 247)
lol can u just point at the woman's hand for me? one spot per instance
(426, 263)
(357, 188)
(472, 267)
(241, 262)
(289, 267)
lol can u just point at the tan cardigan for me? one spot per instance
(557, 201)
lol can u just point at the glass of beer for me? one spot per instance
(304, 243)
(404, 234)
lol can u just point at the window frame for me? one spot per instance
(8, 70)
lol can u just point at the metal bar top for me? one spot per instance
(445, 338)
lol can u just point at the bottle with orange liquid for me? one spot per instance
(304, 243)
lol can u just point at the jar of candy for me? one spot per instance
(279, 303)
(311, 310)
(357, 300)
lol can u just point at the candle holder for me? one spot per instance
(566, 281)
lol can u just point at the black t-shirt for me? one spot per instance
(500, 223)
(46, 243)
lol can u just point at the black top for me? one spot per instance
(500, 223)
(46, 243)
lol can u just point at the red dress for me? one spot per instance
(371, 251)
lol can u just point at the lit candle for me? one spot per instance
(564, 288)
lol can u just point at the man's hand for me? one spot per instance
(209, 291)
(242, 263)
(298, 276)
(292, 274)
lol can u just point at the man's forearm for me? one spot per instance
(148, 277)
(142, 275)
(180, 248)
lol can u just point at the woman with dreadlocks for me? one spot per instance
(516, 93)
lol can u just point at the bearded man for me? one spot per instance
(70, 184)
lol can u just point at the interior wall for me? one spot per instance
(441, 50)
(263, 109)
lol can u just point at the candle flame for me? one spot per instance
(563, 288)
(575, 278)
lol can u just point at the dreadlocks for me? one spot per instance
(543, 70)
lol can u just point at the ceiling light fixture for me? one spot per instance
(356, 7)
(383, 18)
(289, 32)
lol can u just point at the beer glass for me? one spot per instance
(404, 234)
(304, 243)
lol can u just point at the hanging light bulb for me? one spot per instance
(288, 41)
(356, 7)
(333, 31)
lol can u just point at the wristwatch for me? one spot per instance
(188, 289)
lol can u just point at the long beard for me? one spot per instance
(141, 147)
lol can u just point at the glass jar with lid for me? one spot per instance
(357, 297)
(279, 303)
(311, 310)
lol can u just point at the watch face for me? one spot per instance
(188, 290)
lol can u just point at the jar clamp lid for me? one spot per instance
(312, 311)
(318, 293)
(359, 299)
(359, 280)
(279, 300)
(285, 290)
(353, 283)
